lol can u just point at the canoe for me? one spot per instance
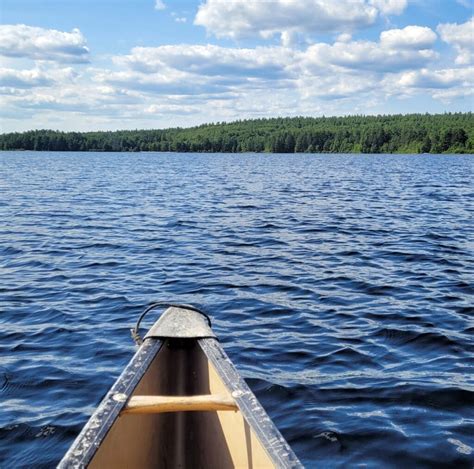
(180, 403)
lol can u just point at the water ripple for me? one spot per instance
(341, 287)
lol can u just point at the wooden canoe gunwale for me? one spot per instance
(270, 437)
(89, 439)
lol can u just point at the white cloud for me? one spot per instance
(188, 84)
(344, 37)
(39, 77)
(445, 84)
(74, 96)
(410, 37)
(158, 84)
(11, 78)
(177, 18)
(398, 49)
(244, 18)
(293, 39)
(210, 60)
(437, 79)
(43, 44)
(341, 71)
(461, 37)
(449, 95)
(345, 71)
(166, 109)
(159, 5)
(216, 69)
(335, 87)
(390, 7)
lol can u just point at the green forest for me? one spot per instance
(413, 133)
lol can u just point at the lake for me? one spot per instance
(341, 286)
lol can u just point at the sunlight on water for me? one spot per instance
(340, 285)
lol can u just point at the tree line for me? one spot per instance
(412, 133)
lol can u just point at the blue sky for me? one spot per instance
(126, 64)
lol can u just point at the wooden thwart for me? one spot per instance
(159, 404)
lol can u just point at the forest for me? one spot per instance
(412, 133)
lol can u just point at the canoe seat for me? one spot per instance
(159, 404)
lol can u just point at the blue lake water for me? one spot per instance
(341, 287)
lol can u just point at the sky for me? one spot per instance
(80, 65)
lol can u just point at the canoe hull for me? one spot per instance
(212, 439)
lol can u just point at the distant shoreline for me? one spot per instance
(237, 153)
(390, 134)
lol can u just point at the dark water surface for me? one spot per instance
(340, 285)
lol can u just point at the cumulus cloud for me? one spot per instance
(161, 84)
(159, 5)
(244, 18)
(411, 37)
(210, 60)
(449, 95)
(390, 7)
(193, 82)
(11, 78)
(437, 79)
(337, 87)
(166, 109)
(43, 44)
(461, 37)
(398, 49)
(338, 71)
(444, 84)
(75, 96)
(193, 77)
(344, 37)
(34, 78)
(172, 67)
